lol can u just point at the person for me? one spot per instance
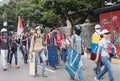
(94, 45)
(59, 39)
(52, 49)
(65, 47)
(4, 43)
(13, 50)
(77, 44)
(25, 47)
(105, 56)
(37, 47)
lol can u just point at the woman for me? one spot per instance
(37, 47)
(105, 56)
(65, 46)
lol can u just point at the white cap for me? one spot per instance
(97, 26)
(38, 27)
(105, 31)
(3, 30)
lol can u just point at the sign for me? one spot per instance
(5, 24)
(73, 62)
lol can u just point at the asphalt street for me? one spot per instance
(22, 74)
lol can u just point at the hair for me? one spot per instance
(101, 36)
(52, 29)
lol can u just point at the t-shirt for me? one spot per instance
(104, 51)
(4, 43)
(77, 40)
(58, 39)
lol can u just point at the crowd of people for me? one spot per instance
(52, 48)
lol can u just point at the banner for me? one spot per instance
(73, 62)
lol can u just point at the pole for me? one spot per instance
(102, 3)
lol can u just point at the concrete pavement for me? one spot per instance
(22, 74)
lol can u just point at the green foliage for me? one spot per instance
(49, 12)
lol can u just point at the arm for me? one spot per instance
(98, 52)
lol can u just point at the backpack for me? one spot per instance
(52, 40)
(111, 49)
(38, 44)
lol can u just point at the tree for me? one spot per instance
(50, 12)
(65, 8)
(10, 16)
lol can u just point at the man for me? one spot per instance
(4, 43)
(52, 49)
(77, 44)
(94, 46)
(13, 50)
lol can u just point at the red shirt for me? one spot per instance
(58, 40)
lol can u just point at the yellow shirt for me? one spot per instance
(95, 38)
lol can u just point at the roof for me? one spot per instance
(107, 9)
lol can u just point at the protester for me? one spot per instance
(59, 39)
(38, 48)
(25, 46)
(65, 47)
(4, 43)
(13, 50)
(94, 45)
(77, 44)
(105, 56)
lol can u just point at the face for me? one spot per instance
(98, 30)
(4, 34)
(39, 31)
(108, 36)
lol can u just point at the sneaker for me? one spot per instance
(55, 68)
(10, 65)
(4, 69)
(17, 67)
(96, 79)
(44, 75)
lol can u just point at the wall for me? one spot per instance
(87, 28)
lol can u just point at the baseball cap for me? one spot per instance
(3, 30)
(105, 31)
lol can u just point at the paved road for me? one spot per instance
(13, 74)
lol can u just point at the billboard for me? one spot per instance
(111, 22)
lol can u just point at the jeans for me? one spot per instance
(107, 68)
(80, 74)
(4, 54)
(8, 56)
(25, 54)
(97, 69)
(42, 55)
(16, 58)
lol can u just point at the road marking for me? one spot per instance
(48, 69)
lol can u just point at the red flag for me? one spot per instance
(20, 28)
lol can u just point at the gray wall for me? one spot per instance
(87, 28)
